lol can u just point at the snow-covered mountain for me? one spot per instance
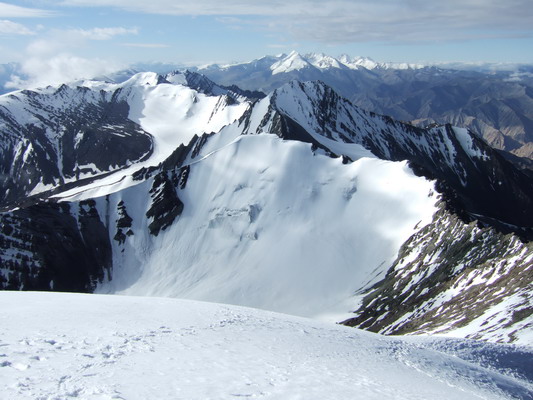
(297, 202)
(496, 104)
(295, 61)
(103, 347)
(55, 136)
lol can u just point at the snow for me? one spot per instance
(322, 61)
(171, 113)
(368, 63)
(176, 78)
(269, 224)
(293, 62)
(467, 143)
(357, 62)
(73, 346)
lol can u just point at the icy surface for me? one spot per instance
(71, 346)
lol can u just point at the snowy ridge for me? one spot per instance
(472, 170)
(494, 104)
(55, 136)
(293, 62)
(102, 347)
(173, 113)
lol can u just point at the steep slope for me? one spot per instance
(266, 223)
(457, 279)
(51, 246)
(58, 135)
(203, 84)
(102, 347)
(250, 220)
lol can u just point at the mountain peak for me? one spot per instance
(293, 62)
(322, 61)
(358, 62)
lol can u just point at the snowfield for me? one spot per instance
(73, 346)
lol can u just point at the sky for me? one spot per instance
(67, 38)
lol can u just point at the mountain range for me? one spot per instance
(295, 201)
(494, 103)
(494, 100)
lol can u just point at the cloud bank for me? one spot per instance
(40, 72)
(103, 33)
(52, 60)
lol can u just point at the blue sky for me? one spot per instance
(65, 36)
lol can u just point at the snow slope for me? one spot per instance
(71, 346)
(293, 62)
(267, 223)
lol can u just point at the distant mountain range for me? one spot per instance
(296, 201)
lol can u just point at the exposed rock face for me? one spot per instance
(123, 224)
(203, 84)
(61, 247)
(53, 137)
(166, 205)
(67, 246)
(454, 276)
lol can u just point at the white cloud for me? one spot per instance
(61, 68)
(12, 11)
(199, 7)
(103, 33)
(60, 41)
(52, 59)
(337, 21)
(12, 28)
